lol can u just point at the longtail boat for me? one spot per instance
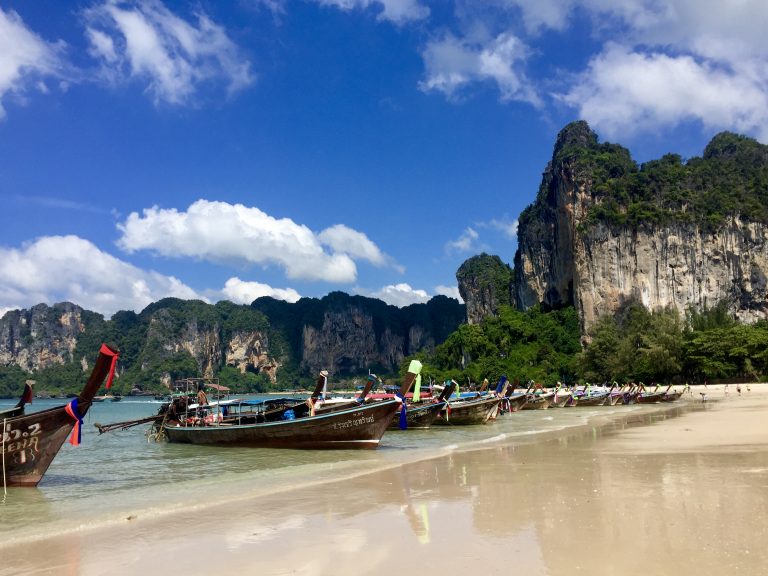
(422, 415)
(322, 405)
(671, 396)
(249, 424)
(18, 410)
(649, 397)
(461, 412)
(511, 401)
(561, 398)
(288, 423)
(30, 442)
(591, 399)
(538, 401)
(477, 410)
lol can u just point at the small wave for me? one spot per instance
(496, 438)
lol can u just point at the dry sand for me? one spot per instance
(682, 494)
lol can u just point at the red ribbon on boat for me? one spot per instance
(74, 412)
(106, 350)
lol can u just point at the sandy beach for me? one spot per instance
(682, 490)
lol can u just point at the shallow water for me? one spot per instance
(121, 474)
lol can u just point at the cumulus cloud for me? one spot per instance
(401, 295)
(242, 292)
(507, 227)
(449, 291)
(396, 11)
(345, 240)
(452, 64)
(237, 234)
(624, 91)
(678, 61)
(68, 268)
(26, 60)
(467, 242)
(143, 39)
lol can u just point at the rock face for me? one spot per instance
(485, 283)
(191, 329)
(352, 334)
(343, 334)
(564, 257)
(40, 337)
(347, 342)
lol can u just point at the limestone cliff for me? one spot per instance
(485, 283)
(172, 338)
(603, 231)
(353, 334)
(41, 336)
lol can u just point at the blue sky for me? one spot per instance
(230, 150)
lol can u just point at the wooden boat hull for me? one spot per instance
(418, 417)
(597, 400)
(469, 412)
(671, 396)
(560, 400)
(538, 402)
(357, 428)
(650, 398)
(515, 402)
(30, 442)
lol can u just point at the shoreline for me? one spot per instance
(482, 493)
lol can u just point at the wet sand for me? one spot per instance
(682, 491)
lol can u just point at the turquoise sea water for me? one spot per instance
(119, 474)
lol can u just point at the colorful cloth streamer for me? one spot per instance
(417, 389)
(107, 351)
(73, 410)
(403, 424)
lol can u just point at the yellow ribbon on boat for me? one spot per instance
(417, 389)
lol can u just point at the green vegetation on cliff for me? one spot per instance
(173, 339)
(521, 345)
(634, 345)
(731, 178)
(484, 276)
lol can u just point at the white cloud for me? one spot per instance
(401, 295)
(242, 292)
(396, 11)
(624, 91)
(505, 226)
(467, 242)
(344, 240)
(25, 59)
(450, 291)
(452, 64)
(538, 14)
(143, 39)
(68, 268)
(221, 232)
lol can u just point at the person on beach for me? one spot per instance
(726, 389)
(738, 389)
